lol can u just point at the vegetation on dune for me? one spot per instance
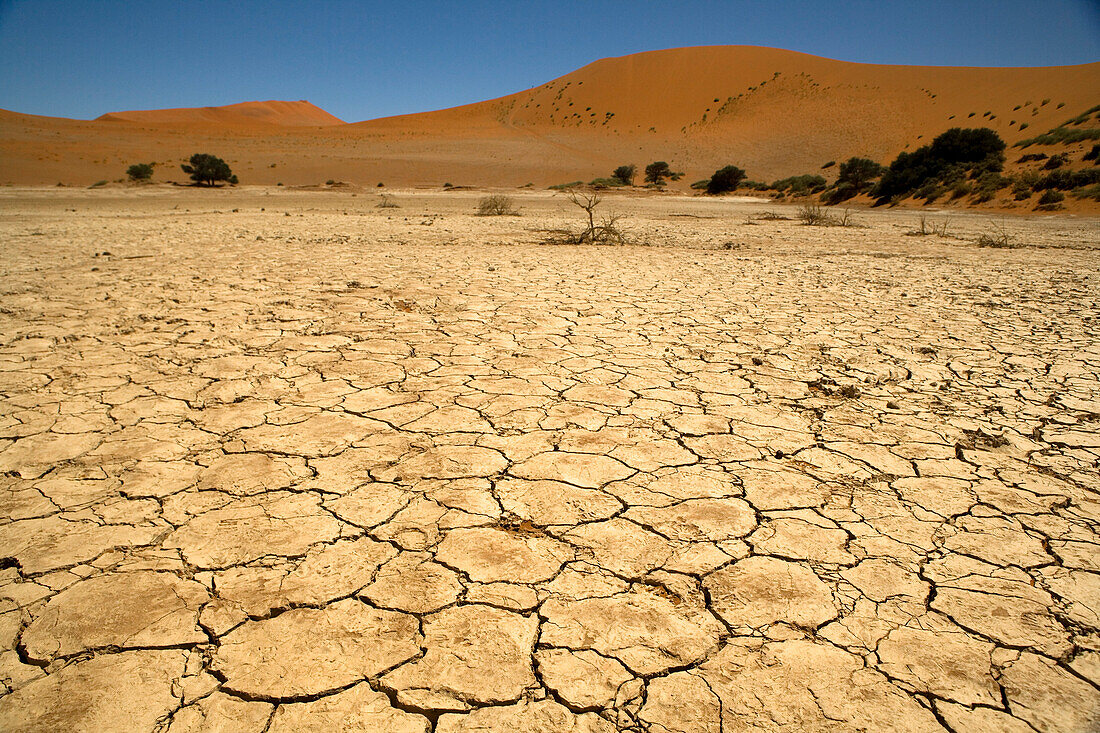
(856, 176)
(803, 185)
(657, 171)
(1065, 133)
(208, 170)
(624, 174)
(140, 171)
(929, 171)
(725, 179)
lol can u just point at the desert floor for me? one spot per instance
(282, 460)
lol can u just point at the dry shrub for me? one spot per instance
(497, 205)
(998, 237)
(816, 216)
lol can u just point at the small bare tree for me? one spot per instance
(607, 231)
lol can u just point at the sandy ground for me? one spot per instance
(283, 460)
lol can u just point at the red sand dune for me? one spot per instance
(773, 112)
(272, 112)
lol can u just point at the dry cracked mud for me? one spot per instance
(279, 461)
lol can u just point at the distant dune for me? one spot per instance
(271, 112)
(775, 113)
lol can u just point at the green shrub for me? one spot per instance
(624, 174)
(725, 179)
(856, 175)
(657, 171)
(1093, 154)
(1055, 161)
(606, 183)
(830, 164)
(207, 170)
(701, 184)
(140, 171)
(565, 186)
(1067, 180)
(800, 185)
(1051, 198)
(978, 151)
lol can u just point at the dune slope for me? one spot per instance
(773, 112)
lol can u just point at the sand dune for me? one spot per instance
(271, 112)
(773, 112)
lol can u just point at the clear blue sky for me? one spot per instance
(361, 60)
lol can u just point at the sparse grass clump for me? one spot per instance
(497, 205)
(816, 216)
(997, 237)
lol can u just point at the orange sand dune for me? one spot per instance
(272, 112)
(773, 112)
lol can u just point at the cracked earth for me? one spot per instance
(284, 461)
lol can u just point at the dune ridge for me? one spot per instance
(773, 112)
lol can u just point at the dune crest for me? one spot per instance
(773, 112)
(271, 112)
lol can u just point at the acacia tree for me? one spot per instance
(725, 179)
(624, 174)
(656, 171)
(206, 170)
(140, 171)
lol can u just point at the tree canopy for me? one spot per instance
(657, 171)
(624, 174)
(725, 179)
(206, 170)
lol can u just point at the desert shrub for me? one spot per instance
(830, 164)
(997, 237)
(1055, 161)
(725, 179)
(206, 169)
(839, 192)
(1093, 154)
(606, 183)
(945, 159)
(496, 205)
(566, 186)
(140, 171)
(800, 185)
(1051, 198)
(657, 171)
(1088, 192)
(1067, 180)
(98, 184)
(387, 202)
(624, 174)
(855, 177)
(1061, 136)
(701, 184)
(960, 189)
(813, 215)
(1028, 157)
(859, 172)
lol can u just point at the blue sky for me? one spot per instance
(361, 60)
